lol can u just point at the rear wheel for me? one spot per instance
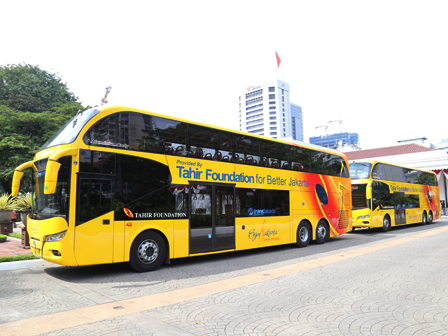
(430, 218)
(147, 252)
(322, 232)
(303, 234)
(386, 224)
(424, 218)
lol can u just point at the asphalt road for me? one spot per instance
(362, 283)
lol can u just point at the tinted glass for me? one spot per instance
(209, 143)
(68, 133)
(172, 136)
(275, 155)
(253, 203)
(247, 150)
(300, 158)
(381, 196)
(111, 131)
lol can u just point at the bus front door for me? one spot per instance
(212, 218)
(400, 208)
(94, 231)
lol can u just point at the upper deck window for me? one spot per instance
(68, 133)
(360, 170)
(125, 130)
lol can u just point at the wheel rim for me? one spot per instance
(430, 217)
(386, 223)
(424, 218)
(321, 231)
(148, 251)
(303, 234)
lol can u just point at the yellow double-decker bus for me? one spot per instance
(386, 195)
(119, 184)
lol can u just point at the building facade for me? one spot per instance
(266, 110)
(336, 140)
(296, 122)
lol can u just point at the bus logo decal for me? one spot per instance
(128, 212)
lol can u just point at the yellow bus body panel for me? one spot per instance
(38, 230)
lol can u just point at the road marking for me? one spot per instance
(72, 318)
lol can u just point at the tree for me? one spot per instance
(25, 87)
(34, 104)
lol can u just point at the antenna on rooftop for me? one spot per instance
(104, 100)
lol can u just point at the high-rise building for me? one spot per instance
(296, 122)
(266, 110)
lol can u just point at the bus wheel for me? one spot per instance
(147, 252)
(386, 224)
(424, 218)
(430, 218)
(303, 234)
(322, 232)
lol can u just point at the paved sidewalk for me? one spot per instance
(13, 247)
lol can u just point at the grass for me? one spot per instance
(18, 258)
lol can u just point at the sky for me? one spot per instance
(379, 66)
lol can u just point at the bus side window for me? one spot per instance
(276, 154)
(300, 158)
(172, 136)
(247, 150)
(209, 143)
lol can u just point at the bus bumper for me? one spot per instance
(58, 252)
(362, 218)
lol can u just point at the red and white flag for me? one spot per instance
(278, 59)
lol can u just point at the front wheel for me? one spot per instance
(386, 224)
(322, 232)
(303, 234)
(147, 252)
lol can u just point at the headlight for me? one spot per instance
(362, 217)
(55, 237)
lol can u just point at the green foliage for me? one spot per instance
(34, 104)
(7, 202)
(24, 201)
(18, 258)
(25, 87)
(3, 238)
(15, 235)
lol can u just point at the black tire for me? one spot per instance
(430, 218)
(353, 229)
(386, 224)
(322, 232)
(424, 218)
(304, 234)
(147, 252)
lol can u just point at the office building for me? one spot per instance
(266, 110)
(296, 122)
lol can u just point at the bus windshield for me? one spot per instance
(68, 133)
(360, 170)
(52, 205)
